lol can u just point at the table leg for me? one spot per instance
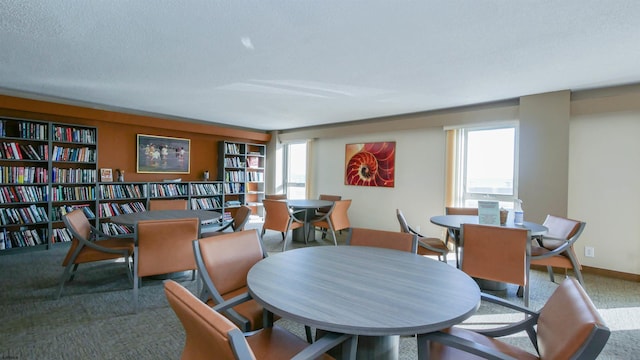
(372, 347)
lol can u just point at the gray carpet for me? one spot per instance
(94, 319)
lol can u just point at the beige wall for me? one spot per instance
(578, 156)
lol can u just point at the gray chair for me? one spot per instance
(426, 245)
(383, 239)
(335, 220)
(555, 249)
(453, 234)
(237, 224)
(567, 327)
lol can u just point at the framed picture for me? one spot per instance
(162, 154)
(106, 175)
(370, 164)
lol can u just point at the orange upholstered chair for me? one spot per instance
(453, 234)
(209, 335)
(426, 245)
(280, 217)
(90, 245)
(567, 327)
(163, 247)
(383, 239)
(168, 204)
(237, 224)
(555, 249)
(276, 196)
(335, 220)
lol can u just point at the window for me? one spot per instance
(296, 170)
(484, 165)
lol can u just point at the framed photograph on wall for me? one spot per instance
(370, 164)
(162, 154)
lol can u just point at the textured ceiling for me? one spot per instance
(288, 64)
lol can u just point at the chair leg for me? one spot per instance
(307, 331)
(576, 265)
(284, 243)
(333, 233)
(63, 279)
(551, 274)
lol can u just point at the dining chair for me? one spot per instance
(325, 209)
(236, 224)
(335, 220)
(276, 196)
(453, 234)
(88, 244)
(567, 327)
(383, 239)
(427, 246)
(163, 247)
(555, 249)
(168, 204)
(223, 263)
(497, 254)
(209, 335)
(279, 217)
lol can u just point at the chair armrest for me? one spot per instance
(237, 300)
(464, 345)
(328, 342)
(96, 234)
(502, 302)
(216, 227)
(427, 246)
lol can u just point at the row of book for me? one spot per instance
(205, 203)
(83, 154)
(255, 176)
(112, 229)
(233, 188)
(23, 175)
(206, 189)
(233, 149)
(23, 215)
(17, 151)
(64, 175)
(65, 209)
(164, 190)
(17, 194)
(115, 209)
(26, 130)
(21, 238)
(72, 134)
(73, 193)
(125, 191)
(237, 176)
(233, 162)
(61, 235)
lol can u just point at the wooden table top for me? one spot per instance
(205, 216)
(363, 290)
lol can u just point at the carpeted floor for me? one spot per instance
(94, 319)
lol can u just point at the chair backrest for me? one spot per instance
(241, 218)
(326, 209)
(339, 215)
(495, 253)
(561, 228)
(164, 246)
(168, 204)
(77, 222)
(449, 210)
(209, 335)
(383, 239)
(569, 325)
(225, 260)
(276, 215)
(276, 196)
(404, 225)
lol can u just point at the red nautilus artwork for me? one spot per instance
(370, 164)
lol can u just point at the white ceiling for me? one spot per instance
(273, 64)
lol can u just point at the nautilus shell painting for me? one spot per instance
(370, 164)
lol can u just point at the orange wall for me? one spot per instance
(117, 134)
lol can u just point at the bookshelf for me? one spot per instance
(241, 168)
(46, 170)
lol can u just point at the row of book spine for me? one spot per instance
(64, 175)
(127, 191)
(31, 214)
(84, 154)
(21, 238)
(18, 194)
(235, 176)
(233, 188)
(65, 209)
(233, 162)
(73, 193)
(164, 190)
(114, 209)
(112, 229)
(72, 134)
(23, 175)
(61, 235)
(233, 149)
(17, 151)
(206, 189)
(255, 176)
(205, 203)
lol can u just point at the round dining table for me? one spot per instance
(378, 294)
(205, 216)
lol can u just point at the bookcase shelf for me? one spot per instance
(241, 168)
